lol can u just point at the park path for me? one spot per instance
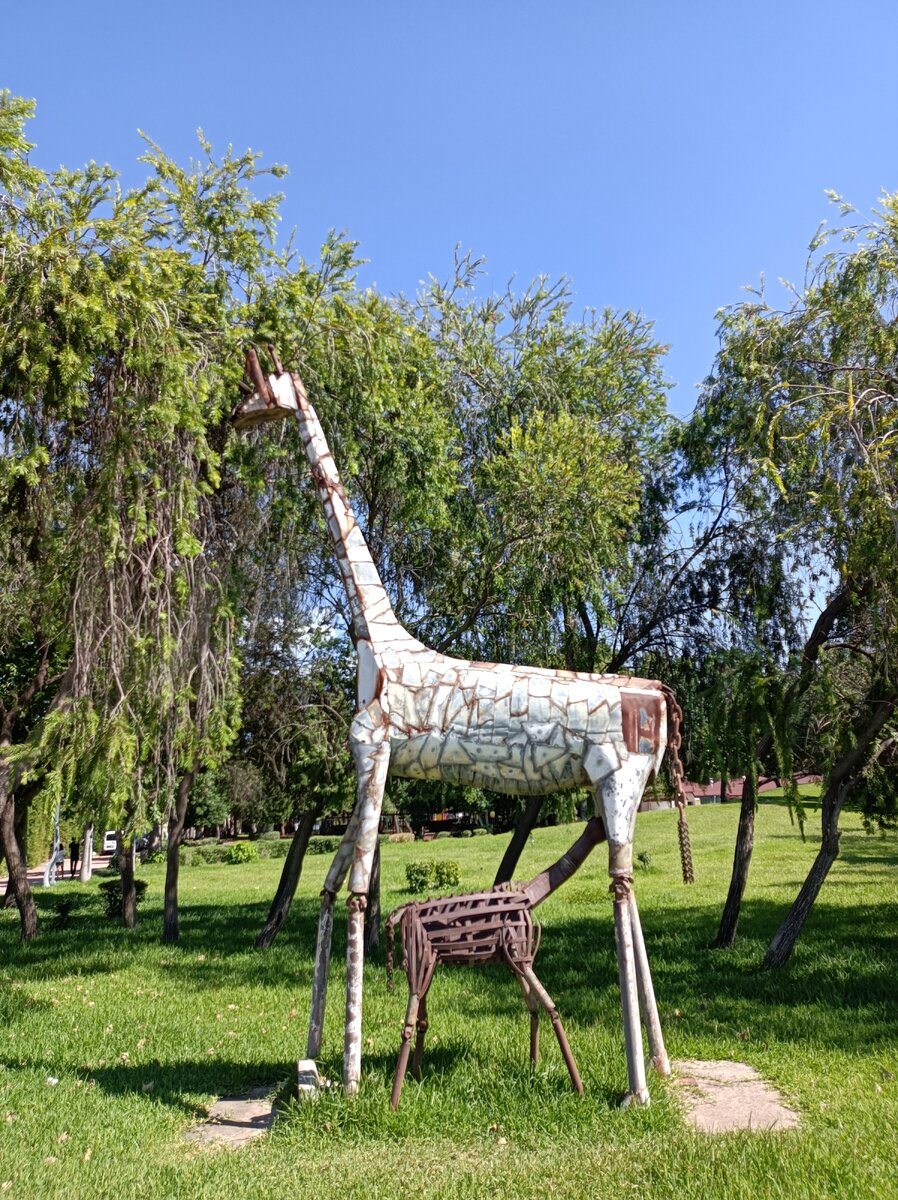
(36, 874)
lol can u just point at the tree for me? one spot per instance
(121, 314)
(801, 413)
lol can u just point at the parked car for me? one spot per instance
(110, 841)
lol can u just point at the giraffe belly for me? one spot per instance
(528, 763)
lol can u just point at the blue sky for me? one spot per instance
(662, 155)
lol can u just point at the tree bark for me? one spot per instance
(126, 874)
(286, 889)
(87, 853)
(372, 908)
(745, 840)
(783, 943)
(515, 847)
(18, 871)
(171, 930)
(20, 800)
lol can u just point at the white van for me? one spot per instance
(110, 841)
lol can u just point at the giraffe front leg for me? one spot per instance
(371, 752)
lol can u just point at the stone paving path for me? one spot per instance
(723, 1096)
(236, 1120)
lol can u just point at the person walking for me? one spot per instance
(74, 848)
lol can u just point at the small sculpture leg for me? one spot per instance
(408, 1029)
(533, 1007)
(421, 1027)
(548, 1004)
(658, 1053)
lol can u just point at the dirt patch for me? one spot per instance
(722, 1096)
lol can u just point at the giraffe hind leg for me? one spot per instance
(332, 884)
(371, 752)
(619, 793)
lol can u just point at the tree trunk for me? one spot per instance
(87, 853)
(292, 869)
(515, 847)
(838, 604)
(18, 871)
(170, 925)
(372, 909)
(126, 873)
(883, 702)
(745, 840)
(780, 949)
(724, 785)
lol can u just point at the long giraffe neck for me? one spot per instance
(372, 615)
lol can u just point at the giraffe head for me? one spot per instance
(268, 399)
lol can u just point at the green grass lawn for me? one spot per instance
(111, 1045)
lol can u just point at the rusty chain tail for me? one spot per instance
(674, 740)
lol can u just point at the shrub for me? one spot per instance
(444, 833)
(240, 852)
(479, 832)
(111, 890)
(323, 845)
(187, 856)
(446, 874)
(280, 848)
(270, 835)
(466, 833)
(426, 874)
(419, 875)
(400, 837)
(155, 856)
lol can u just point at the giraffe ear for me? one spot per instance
(275, 358)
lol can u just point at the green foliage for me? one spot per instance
(111, 892)
(427, 874)
(323, 845)
(241, 852)
(446, 874)
(419, 875)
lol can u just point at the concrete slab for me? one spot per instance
(236, 1120)
(722, 1096)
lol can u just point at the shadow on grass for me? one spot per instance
(172, 1084)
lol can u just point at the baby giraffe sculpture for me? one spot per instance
(495, 926)
(513, 729)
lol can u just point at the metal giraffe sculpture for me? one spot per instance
(511, 729)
